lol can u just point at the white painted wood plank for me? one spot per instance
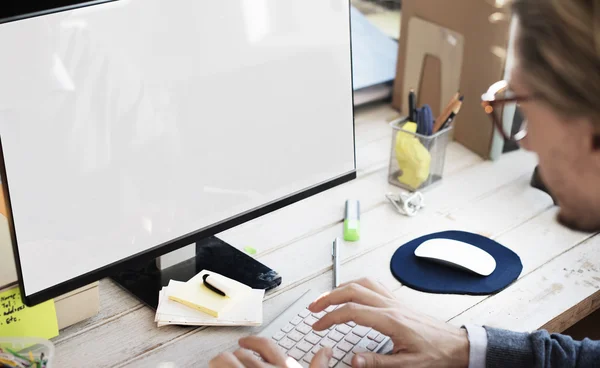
(544, 294)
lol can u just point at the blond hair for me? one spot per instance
(558, 48)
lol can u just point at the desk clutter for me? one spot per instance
(419, 144)
(209, 299)
(23, 352)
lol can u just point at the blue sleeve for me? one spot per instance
(539, 349)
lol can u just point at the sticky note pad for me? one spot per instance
(18, 320)
(195, 295)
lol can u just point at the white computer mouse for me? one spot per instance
(457, 254)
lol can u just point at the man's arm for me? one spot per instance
(539, 349)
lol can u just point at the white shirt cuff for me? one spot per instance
(478, 341)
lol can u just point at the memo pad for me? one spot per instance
(427, 276)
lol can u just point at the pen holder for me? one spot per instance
(416, 160)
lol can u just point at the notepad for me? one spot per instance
(20, 320)
(195, 294)
(246, 311)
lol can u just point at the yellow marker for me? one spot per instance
(19, 320)
(413, 158)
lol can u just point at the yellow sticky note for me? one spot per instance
(18, 320)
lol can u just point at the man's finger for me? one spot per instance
(225, 360)
(248, 359)
(370, 360)
(351, 293)
(266, 348)
(322, 358)
(373, 285)
(376, 318)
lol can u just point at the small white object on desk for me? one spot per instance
(407, 203)
(457, 254)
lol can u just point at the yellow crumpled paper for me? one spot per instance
(413, 158)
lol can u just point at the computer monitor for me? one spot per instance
(132, 128)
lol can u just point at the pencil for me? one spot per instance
(445, 113)
(453, 114)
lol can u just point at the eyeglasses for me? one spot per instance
(494, 100)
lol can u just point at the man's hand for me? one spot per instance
(419, 341)
(243, 358)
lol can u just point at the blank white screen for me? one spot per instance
(128, 124)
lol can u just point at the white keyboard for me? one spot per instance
(293, 333)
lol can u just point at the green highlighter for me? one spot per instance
(352, 220)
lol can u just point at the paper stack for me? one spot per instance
(193, 303)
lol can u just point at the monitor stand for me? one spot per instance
(145, 280)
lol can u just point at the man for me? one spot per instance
(556, 82)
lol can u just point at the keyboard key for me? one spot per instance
(319, 315)
(353, 339)
(359, 349)
(344, 329)
(304, 364)
(296, 320)
(287, 328)
(305, 313)
(278, 335)
(330, 309)
(345, 346)
(360, 331)
(296, 353)
(303, 328)
(332, 327)
(372, 334)
(342, 365)
(310, 320)
(380, 338)
(351, 324)
(348, 358)
(305, 346)
(282, 349)
(309, 357)
(312, 338)
(338, 354)
(372, 346)
(316, 349)
(327, 342)
(332, 363)
(335, 336)
(287, 343)
(295, 335)
(322, 333)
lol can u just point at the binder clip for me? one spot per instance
(408, 204)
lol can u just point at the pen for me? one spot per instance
(412, 106)
(335, 253)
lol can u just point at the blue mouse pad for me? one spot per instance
(433, 277)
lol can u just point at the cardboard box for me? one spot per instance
(485, 29)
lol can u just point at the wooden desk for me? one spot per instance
(559, 284)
